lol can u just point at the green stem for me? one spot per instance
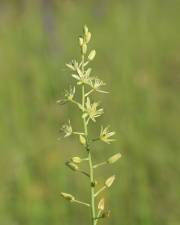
(99, 164)
(100, 190)
(82, 203)
(91, 172)
(98, 217)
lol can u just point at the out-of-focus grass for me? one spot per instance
(139, 58)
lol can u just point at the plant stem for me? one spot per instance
(82, 203)
(99, 164)
(98, 192)
(91, 172)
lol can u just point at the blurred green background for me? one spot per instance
(138, 56)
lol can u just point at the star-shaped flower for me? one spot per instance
(82, 78)
(96, 84)
(92, 111)
(67, 129)
(105, 135)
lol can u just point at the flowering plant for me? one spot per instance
(90, 111)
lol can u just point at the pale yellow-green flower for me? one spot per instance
(91, 110)
(105, 135)
(73, 65)
(82, 78)
(96, 85)
(69, 94)
(67, 129)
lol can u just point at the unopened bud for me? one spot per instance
(81, 41)
(76, 160)
(72, 166)
(114, 158)
(68, 197)
(91, 55)
(84, 48)
(101, 204)
(85, 29)
(110, 181)
(88, 37)
(82, 139)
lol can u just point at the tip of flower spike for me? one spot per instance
(85, 29)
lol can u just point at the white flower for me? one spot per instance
(96, 84)
(105, 135)
(92, 111)
(73, 65)
(67, 129)
(69, 94)
(83, 78)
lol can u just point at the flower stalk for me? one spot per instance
(90, 111)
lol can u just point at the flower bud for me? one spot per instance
(91, 55)
(101, 204)
(76, 160)
(114, 158)
(82, 139)
(110, 181)
(72, 166)
(84, 48)
(81, 41)
(68, 197)
(85, 29)
(88, 37)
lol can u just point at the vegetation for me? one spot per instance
(138, 57)
(88, 112)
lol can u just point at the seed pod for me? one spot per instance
(68, 197)
(82, 139)
(81, 41)
(101, 204)
(84, 48)
(110, 181)
(91, 55)
(88, 37)
(72, 166)
(114, 158)
(76, 160)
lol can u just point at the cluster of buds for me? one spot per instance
(84, 40)
(90, 111)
